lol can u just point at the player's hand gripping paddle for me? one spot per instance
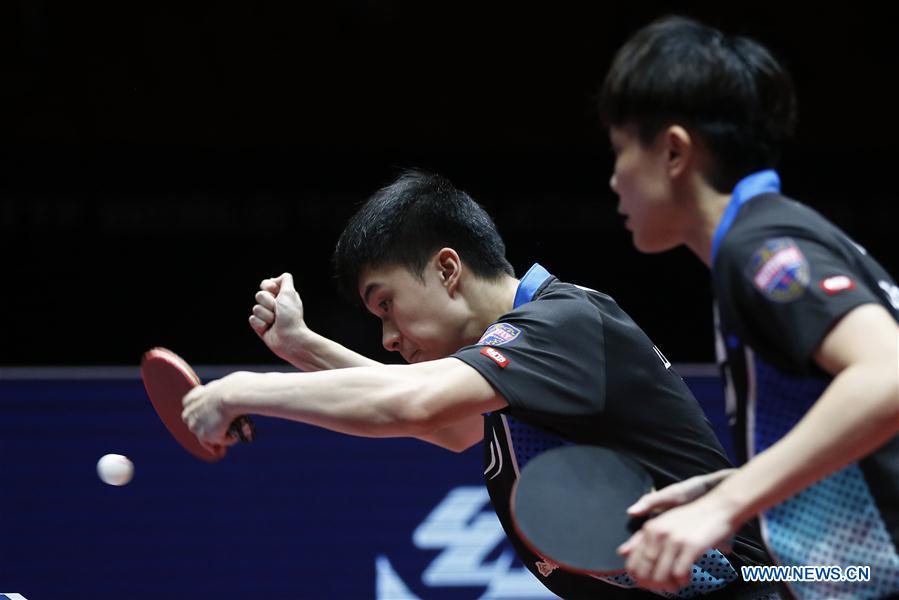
(168, 378)
(570, 506)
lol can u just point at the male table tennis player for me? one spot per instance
(805, 317)
(547, 363)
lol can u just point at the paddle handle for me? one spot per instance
(243, 429)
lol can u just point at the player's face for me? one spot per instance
(644, 190)
(418, 318)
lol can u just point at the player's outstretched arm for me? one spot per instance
(378, 401)
(856, 414)
(278, 320)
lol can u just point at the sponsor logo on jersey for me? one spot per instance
(836, 284)
(496, 356)
(779, 270)
(499, 334)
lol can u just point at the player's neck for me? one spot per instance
(708, 207)
(488, 301)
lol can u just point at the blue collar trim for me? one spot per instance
(530, 283)
(763, 182)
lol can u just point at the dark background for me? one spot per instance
(230, 141)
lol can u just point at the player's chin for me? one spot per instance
(420, 356)
(649, 243)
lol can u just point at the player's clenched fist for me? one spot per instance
(278, 316)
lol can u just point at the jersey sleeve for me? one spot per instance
(546, 356)
(787, 293)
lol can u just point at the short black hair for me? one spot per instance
(730, 90)
(410, 219)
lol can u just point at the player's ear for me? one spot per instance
(680, 148)
(449, 267)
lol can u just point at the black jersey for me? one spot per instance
(783, 276)
(575, 369)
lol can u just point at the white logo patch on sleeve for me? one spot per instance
(836, 284)
(496, 356)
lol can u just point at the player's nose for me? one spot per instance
(390, 337)
(613, 183)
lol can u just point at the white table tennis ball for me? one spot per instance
(115, 469)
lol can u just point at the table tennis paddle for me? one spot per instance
(168, 378)
(569, 505)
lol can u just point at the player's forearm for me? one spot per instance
(710, 480)
(857, 413)
(310, 351)
(314, 352)
(381, 401)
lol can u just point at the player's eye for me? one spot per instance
(384, 305)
